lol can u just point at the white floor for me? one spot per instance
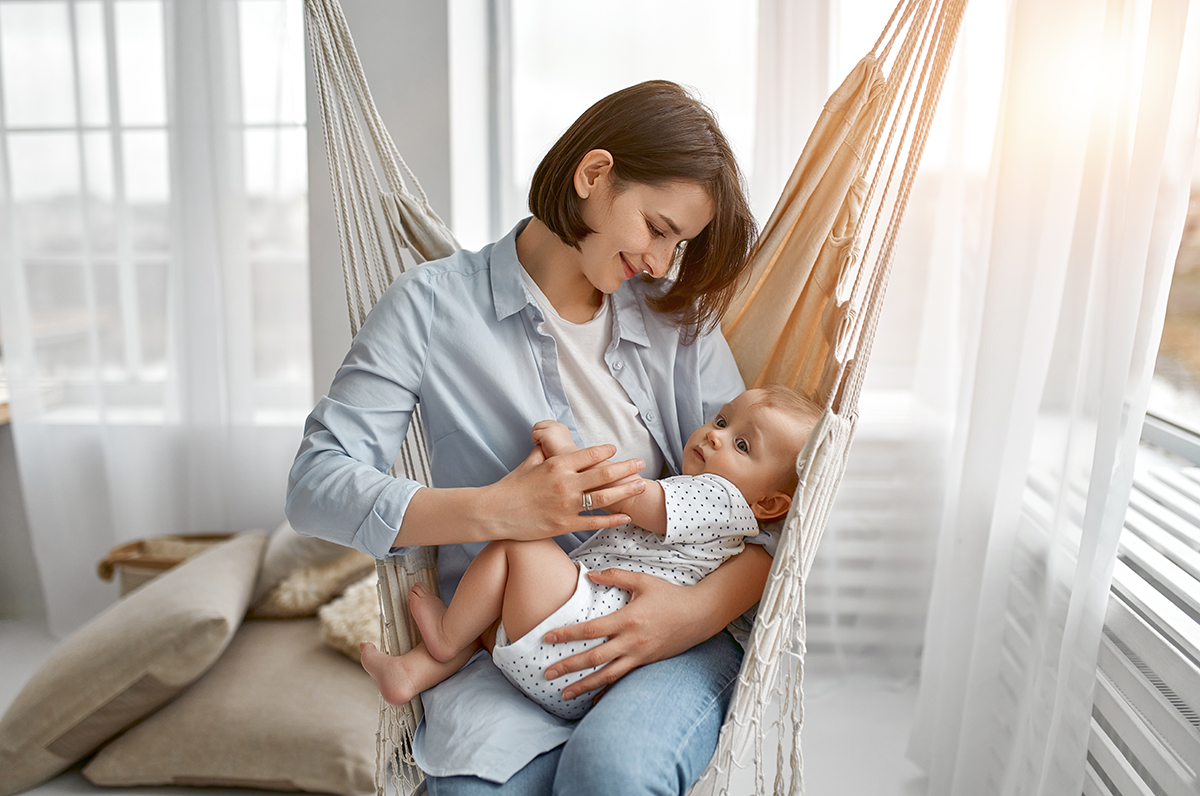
(855, 731)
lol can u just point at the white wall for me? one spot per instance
(404, 49)
(20, 587)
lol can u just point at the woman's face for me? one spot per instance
(638, 228)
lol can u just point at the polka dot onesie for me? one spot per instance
(707, 520)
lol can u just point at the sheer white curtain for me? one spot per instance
(153, 280)
(1086, 200)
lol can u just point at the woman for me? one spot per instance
(568, 317)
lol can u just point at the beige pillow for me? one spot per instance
(279, 711)
(127, 662)
(353, 618)
(301, 573)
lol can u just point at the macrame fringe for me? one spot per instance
(396, 769)
(772, 670)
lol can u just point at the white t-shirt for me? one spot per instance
(602, 409)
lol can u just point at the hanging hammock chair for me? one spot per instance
(806, 318)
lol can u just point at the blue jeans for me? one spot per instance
(652, 733)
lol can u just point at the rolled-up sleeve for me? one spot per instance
(339, 487)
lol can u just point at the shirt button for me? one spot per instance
(650, 417)
(618, 365)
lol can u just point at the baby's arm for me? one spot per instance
(553, 437)
(648, 509)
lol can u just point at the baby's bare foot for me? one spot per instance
(427, 609)
(390, 674)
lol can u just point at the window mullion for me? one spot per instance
(126, 269)
(229, 187)
(86, 256)
(505, 198)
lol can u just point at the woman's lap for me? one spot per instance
(537, 777)
(653, 732)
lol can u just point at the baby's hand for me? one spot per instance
(553, 437)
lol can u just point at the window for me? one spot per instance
(155, 195)
(1146, 714)
(1175, 394)
(535, 84)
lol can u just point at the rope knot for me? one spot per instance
(846, 333)
(847, 271)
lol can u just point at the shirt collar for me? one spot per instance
(508, 293)
(511, 296)
(628, 314)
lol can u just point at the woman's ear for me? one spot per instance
(772, 507)
(593, 169)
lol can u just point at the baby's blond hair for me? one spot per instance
(801, 409)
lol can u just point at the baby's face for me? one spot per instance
(748, 443)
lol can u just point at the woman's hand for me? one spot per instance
(660, 620)
(543, 497)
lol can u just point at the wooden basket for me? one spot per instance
(146, 559)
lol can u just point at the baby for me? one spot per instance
(738, 468)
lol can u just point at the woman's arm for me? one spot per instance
(338, 491)
(339, 487)
(539, 499)
(661, 619)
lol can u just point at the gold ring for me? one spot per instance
(587, 501)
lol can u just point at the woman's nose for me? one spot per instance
(658, 260)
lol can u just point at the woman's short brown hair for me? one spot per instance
(657, 133)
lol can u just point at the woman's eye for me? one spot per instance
(719, 422)
(743, 446)
(654, 230)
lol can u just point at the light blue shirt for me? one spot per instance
(462, 337)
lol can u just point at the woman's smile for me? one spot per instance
(630, 272)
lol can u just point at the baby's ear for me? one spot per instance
(773, 506)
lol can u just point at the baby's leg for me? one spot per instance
(400, 678)
(541, 578)
(526, 581)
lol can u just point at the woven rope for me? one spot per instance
(372, 217)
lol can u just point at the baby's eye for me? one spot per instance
(743, 446)
(719, 422)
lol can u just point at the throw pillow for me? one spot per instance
(279, 711)
(127, 662)
(300, 574)
(353, 618)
